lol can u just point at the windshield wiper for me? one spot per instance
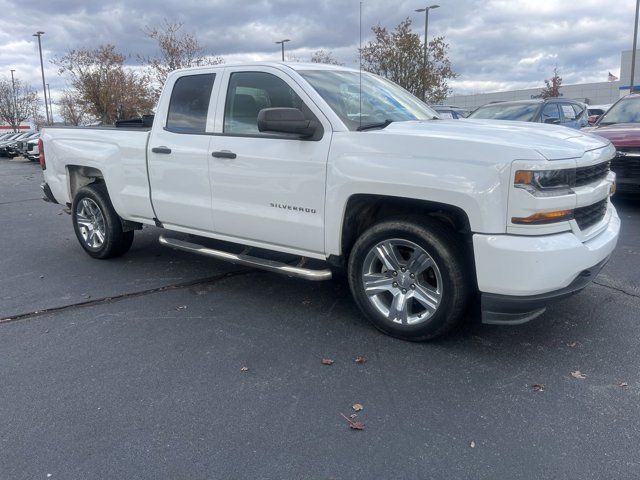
(368, 126)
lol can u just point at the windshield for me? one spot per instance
(382, 100)
(524, 112)
(626, 110)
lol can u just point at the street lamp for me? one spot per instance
(15, 101)
(44, 85)
(282, 42)
(426, 29)
(633, 54)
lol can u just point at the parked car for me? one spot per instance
(553, 111)
(422, 213)
(18, 147)
(6, 146)
(450, 111)
(32, 152)
(621, 125)
(594, 112)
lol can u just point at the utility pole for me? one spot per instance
(15, 102)
(282, 42)
(44, 84)
(426, 41)
(635, 42)
(50, 103)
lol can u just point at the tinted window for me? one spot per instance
(250, 92)
(190, 103)
(550, 112)
(519, 111)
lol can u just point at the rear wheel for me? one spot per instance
(410, 278)
(97, 225)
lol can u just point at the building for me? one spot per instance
(598, 93)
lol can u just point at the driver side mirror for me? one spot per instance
(286, 120)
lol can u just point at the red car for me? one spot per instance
(621, 125)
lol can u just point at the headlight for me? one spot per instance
(544, 183)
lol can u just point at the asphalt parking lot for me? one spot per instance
(133, 368)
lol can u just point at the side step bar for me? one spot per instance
(249, 261)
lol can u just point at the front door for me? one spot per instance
(179, 156)
(267, 187)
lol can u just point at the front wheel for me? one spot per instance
(97, 225)
(410, 278)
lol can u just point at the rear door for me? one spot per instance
(178, 152)
(268, 189)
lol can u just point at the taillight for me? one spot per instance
(43, 162)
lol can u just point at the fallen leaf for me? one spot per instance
(623, 384)
(357, 407)
(360, 359)
(472, 444)
(181, 307)
(572, 344)
(244, 369)
(538, 387)
(578, 374)
(327, 361)
(353, 424)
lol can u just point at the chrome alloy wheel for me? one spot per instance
(402, 281)
(90, 223)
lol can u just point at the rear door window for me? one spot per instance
(189, 103)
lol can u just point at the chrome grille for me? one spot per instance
(626, 163)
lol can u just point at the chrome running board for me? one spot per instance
(249, 261)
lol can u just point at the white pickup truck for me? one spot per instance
(325, 163)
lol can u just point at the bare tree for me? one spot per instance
(72, 109)
(17, 107)
(552, 85)
(177, 50)
(324, 56)
(398, 55)
(104, 86)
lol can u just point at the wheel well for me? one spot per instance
(80, 176)
(364, 210)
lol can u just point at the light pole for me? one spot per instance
(635, 41)
(44, 85)
(426, 42)
(15, 101)
(50, 103)
(282, 42)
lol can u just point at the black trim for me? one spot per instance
(514, 310)
(48, 194)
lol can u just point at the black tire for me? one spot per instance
(116, 242)
(445, 248)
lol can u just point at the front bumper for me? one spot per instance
(514, 310)
(515, 272)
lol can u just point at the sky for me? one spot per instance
(495, 45)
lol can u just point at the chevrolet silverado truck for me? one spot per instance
(349, 171)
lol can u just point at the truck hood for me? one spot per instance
(620, 134)
(551, 141)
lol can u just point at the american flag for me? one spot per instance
(612, 77)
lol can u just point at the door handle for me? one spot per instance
(161, 150)
(224, 154)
